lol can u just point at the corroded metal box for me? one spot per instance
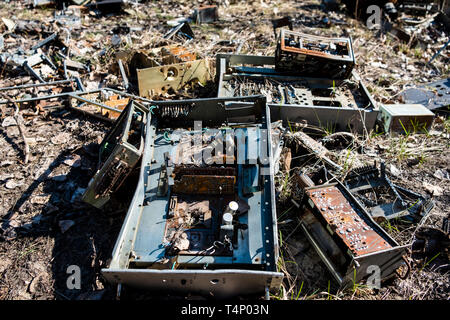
(120, 151)
(314, 56)
(332, 104)
(345, 236)
(405, 118)
(199, 227)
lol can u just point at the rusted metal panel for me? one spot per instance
(203, 184)
(346, 238)
(116, 103)
(343, 220)
(204, 180)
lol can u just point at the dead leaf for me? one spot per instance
(433, 190)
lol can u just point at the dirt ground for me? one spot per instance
(45, 228)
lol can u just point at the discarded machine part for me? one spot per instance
(434, 95)
(415, 7)
(346, 238)
(428, 242)
(120, 151)
(185, 238)
(106, 6)
(390, 10)
(162, 56)
(206, 14)
(43, 3)
(282, 22)
(156, 57)
(99, 105)
(160, 79)
(126, 84)
(404, 118)
(105, 104)
(71, 83)
(439, 51)
(313, 56)
(338, 104)
(372, 187)
(360, 8)
(52, 37)
(204, 180)
(183, 31)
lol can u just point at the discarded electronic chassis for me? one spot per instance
(370, 185)
(332, 104)
(348, 241)
(313, 56)
(203, 216)
(119, 153)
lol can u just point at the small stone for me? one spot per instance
(78, 193)
(11, 184)
(6, 163)
(74, 161)
(9, 121)
(40, 199)
(394, 170)
(441, 174)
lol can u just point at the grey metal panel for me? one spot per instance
(124, 241)
(223, 283)
(336, 118)
(332, 118)
(387, 260)
(150, 230)
(271, 229)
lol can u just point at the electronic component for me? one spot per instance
(345, 236)
(191, 227)
(313, 56)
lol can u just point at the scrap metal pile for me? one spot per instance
(211, 170)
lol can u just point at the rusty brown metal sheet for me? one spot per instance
(312, 39)
(182, 53)
(114, 102)
(194, 180)
(284, 47)
(345, 222)
(226, 171)
(205, 184)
